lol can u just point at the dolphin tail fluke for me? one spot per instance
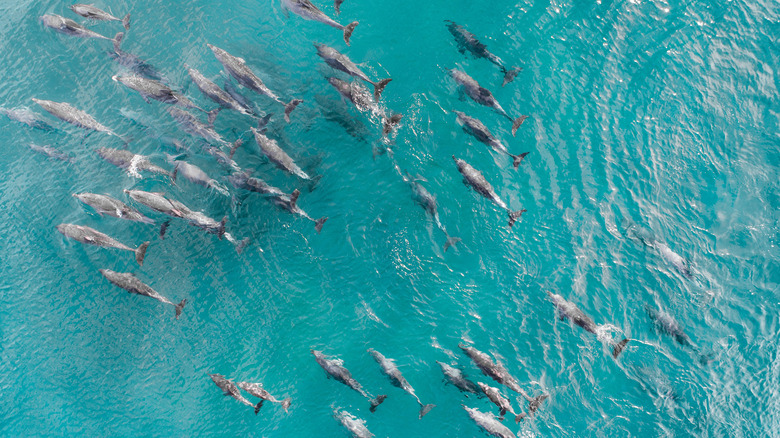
(390, 122)
(221, 229)
(510, 75)
(289, 108)
(140, 253)
(212, 115)
(126, 22)
(164, 228)
(516, 124)
(425, 409)
(377, 401)
(533, 405)
(379, 87)
(451, 241)
(319, 223)
(118, 40)
(337, 5)
(517, 159)
(348, 31)
(619, 347)
(519, 417)
(241, 245)
(235, 147)
(179, 307)
(515, 215)
(286, 404)
(258, 406)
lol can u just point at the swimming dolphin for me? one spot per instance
(256, 389)
(459, 379)
(237, 68)
(354, 425)
(106, 205)
(278, 156)
(290, 204)
(52, 152)
(132, 284)
(666, 323)
(341, 62)
(472, 177)
(646, 238)
(394, 374)
(218, 95)
(133, 62)
(468, 42)
(191, 125)
(129, 161)
(483, 97)
(308, 11)
(27, 117)
(568, 310)
(335, 369)
(69, 27)
(494, 370)
(151, 89)
(494, 395)
(75, 117)
(361, 98)
(93, 13)
(158, 202)
(489, 423)
(481, 133)
(200, 220)
(225, 159)
(243, 180)
(91, 236)
(240, 98)
(230, 388)
(195, 175)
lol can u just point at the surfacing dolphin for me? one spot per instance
(568, 310)
(468, 42)
(93, 13)
(341, 62)
(354, 425)
(52, 152)
(27, 117)
(480, 132)
(69, 27)
(158, 202)
(489, 423)
(106, 205)
(494, 395)
(75, 117)
(364, 102)
(483, 96)
(132, 284)
(335, 369)
(394, 374)
(256, 389)
(277, 155)
(230, 388)
(131, 162)
(94, 237)
(459, 379)
(307, 10)
(492, 369)
(195, 175)
(472, 177)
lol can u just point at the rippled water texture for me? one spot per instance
(651, 120)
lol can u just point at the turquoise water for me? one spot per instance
(659, 116)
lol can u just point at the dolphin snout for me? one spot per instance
(115, 78)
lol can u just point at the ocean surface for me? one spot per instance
(653, 129)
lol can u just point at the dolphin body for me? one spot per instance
(27, 117)
(364, 102)
(467, 41)
(230, 388)
(335, 369)
(106, 205)
(151, 89)
(341, 62)
(93, 13)
(191, 125)
(457, 378)
(290, 204)
(394, 374)
(243, 180)
(195, 175)
(489, 423)
(237, 68)
(480, 132)
(307, 10)
(75, 117)
(354, 425)
(427, 201)
(483, 96)
(132, 284)
(491, 369)
(277, 155)
(52, 152)
(472, 177)
(256, 389)
(494, 395)
(130, 162)
(91, 236)
(666, 323)
(568, 310)
(133, 62)
(158, 202)
(218, 95)
(67, 26)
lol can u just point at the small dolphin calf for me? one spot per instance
(568, 310)
(290, 203)
(472, 177)
(457, 378)
(106, 205)
(354, 425)
(151, 89)
(91, 236)
(335, 369)
(129, 161)
(130, 283)
(93, 13)
(218, 95)
(481, 133)
(27, 117)
(237, 68)
(278, 156)
(69, 27)
(341, 62)
(133, 62)
(483, 97)
(427, 201)
(52, 153)
(394, 374)
(489, 423)
(74, 116)
(361, 98)
(256, 389)
(308, 11)
(230, 388)
(195, 175)
(468, 42)
(494, 395)
(666, 323)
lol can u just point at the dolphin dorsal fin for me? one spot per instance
(294, 197)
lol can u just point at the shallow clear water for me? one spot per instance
(656, 116)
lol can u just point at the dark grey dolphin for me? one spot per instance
(130, 283)
(237, 68)
(335, 369)
(195, 175)
(341, 62)
(494, 395)
(69, 27)
(91, 236)
(106, 205)
(481, 133)
(489, 423)
(494, 370)
(427, 201)
(394, 374)
(52, 153)
(277, 155)
(364, 102)
(27, 117)
(256, 389)
(468, 42)
(218, 95)
(93, 13)
(230, 388)
(133, 62)
(472, 177)
(666, 323)
(459, 379)
(75, 117)
(354, 425)
(290, 203)
(129, 161)
(243, 180)
(151, 89)
(568, 310)
(483, 97)
(308, 11)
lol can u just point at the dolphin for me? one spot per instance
(195, 175)
(472, 177)
(243, 180)
(278, 156)
(93, 13)
(483, 97)
(646, 238)
(308, 11)
(237, 68)
(106, 205)
(240, 98)
(129, 161)
(218, 95)
(481, 133)
(468, 42)
(335, 369)
(394, 374)
(457, 378)
(132, 284)
(494, 395)
(27, 117)
(223, 158)
(75, 117)
(354, 425)
(364, 102)
(91, 236)
(151, 89)
(489, 423)
(158, 202)
(290, 204)
(200, 220)
(52, 153)
(69, 27)
(133, 62)
(427, 201)
(256, 389)
(494, 370)
(341, 62)
(230, 388)
(568, 310)
(191, 125)
(666, 323)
